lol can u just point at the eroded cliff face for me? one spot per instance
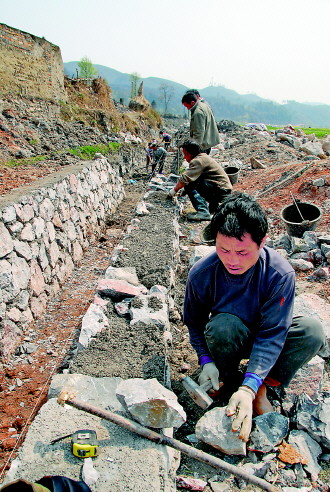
(32, 66)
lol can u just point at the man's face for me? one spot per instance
(186, 155)
(189, 105)
(238, 256)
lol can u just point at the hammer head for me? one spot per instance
(197, 393)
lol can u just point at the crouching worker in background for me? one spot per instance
(205, 181)
(239, 305)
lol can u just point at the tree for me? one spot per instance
(86, 68)
(166, 94)
(135, 77)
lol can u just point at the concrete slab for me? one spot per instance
(125, 460)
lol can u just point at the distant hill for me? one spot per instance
(226, 103)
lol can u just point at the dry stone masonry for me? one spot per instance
(43, 233)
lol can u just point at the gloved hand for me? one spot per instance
(241, 404)
(171, 193)
(209, 373)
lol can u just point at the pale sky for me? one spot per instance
(278, 49)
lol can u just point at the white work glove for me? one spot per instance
(241, 404)
(209, 374)
(171, 193)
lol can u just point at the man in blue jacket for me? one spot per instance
(239, 304)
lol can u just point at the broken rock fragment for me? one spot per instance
(150, 403)
(214, 428)
(118, 289)
(309, 448)
(126, 273)
(255, 164)
(269, 430)
(314, 418)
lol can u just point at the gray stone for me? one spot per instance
(320, 272)
(9, 214)
(325, 248)
(6, 281)
(319, 182)
(128, 274)
(141, 209)
(214, 428)
(283, 241)
(118, 289)
(150, 403)
(307, 380)
(268, 431)
(151, 309)
(314, 418)
(27, 233)
(6, 242)
(94, 321)
(309, 449)
(23, 249)
(312, 148)
(199, 252)
(310, 238)
(21, 274)
(301, 265)
(324, 238)
(38, 226)
(122, 308)
(25, 213)
(299, 245)
(37, 282)
(314, 306)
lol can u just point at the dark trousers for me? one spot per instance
(230, 341)
(210, 192)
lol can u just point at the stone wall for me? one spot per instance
(43, 232)
(30, 66)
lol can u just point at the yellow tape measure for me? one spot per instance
(84, 443)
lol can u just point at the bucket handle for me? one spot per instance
(296, 204)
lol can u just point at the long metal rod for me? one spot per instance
(167, 441)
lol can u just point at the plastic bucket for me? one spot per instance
(296, 224)
(232, 173)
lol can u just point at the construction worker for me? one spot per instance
(239, 305)
(203, 127)
(166, 138)
(159, 155)
(149, 155)
(205, 181)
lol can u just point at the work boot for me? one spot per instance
(261, 404)
(199, 216)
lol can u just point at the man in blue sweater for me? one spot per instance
(239, 304)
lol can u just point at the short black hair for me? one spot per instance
(188, 97)
(194, 91)
(240, 213)
(192, 147)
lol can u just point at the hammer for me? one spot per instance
(198, 393)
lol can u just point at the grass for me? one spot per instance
(87, 152)
(319, 132)
(21, 162)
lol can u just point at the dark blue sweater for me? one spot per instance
(262, 298)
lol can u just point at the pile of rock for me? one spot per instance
(311, 253)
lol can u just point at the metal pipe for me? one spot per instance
(135, 427)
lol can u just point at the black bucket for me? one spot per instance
(232, 173)
(297, 223)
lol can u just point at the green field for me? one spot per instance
(319, 132)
